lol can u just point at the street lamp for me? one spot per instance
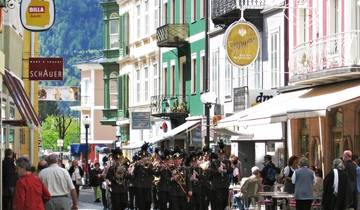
(86, 122)
(208, 99)
(60, 144)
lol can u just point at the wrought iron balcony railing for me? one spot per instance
(225, 12)
(172, 35)
(168, 104)
(325, 54)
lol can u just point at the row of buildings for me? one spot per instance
(300, 97)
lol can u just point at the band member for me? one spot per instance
(181, 189)
(204, 164)
(163, 172)
(195, 179)
(117, 178)
(219, 183)
(143, 179)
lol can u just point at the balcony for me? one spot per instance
(327, 59)
(172, 35)
(109, 116)
(171, 106)
(225, 12)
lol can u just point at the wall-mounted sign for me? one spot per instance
(242, 43)
(37, 15)
(140, 120)
(240, 98)
(259, 96)
(59, 93)
(46, 68)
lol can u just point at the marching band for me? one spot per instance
(169, 180)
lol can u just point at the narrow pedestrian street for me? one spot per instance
(86, 200)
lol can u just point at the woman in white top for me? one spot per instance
(76, 174)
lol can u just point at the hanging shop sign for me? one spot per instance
(242, 43)
(46, 68)
(37, 15)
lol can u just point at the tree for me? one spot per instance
(59, 127)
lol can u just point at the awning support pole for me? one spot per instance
(285, 128)
(321, 151)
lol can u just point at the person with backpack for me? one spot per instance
(268, 174)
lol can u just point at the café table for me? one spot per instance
(276, 196)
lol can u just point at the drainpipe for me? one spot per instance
(32, 97)
(286, 74)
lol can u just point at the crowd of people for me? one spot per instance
(176, 180)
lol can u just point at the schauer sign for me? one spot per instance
(242, 43)
(37, 15)
(46, 68)
(140, 120)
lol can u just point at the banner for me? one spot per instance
(46, 68)
(57, 93)
(37, 15)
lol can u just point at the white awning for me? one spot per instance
(228, 132)
(185, 127)
(312, 102)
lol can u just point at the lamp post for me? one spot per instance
(208, 99)
(60, 144)
(86, 122)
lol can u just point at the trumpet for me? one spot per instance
(145, 162)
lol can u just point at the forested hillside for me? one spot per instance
(76, 36)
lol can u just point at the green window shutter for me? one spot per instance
(121, 93)
(126, 94)
(126, 33)
(121, 35)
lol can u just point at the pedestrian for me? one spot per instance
(30, 192)
(8, 179)
(268, 174)
(289, 187)
(104, 186)
(304, 180)
(76, 174)
(350, 168)
(59, 184)
(335, 187)
(236, 177)
(41, 165)
(96, 180)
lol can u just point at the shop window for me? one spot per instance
(337, 132)
(315, 151)
(338, 119)
(304, 137)
(338, 146)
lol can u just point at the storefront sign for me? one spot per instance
(140, 120)
(59, 93)
(46, 68)
(242, 43)
(259, 96)
(37, 15)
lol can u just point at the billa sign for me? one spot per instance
(37, 15)
(242, 43)
(46, 68)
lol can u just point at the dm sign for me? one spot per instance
(242, 43)
(37, 15)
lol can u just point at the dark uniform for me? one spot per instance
(143, 180)
(195, 178)
(180, 187)
(117, 175)
(219, 181)
(163, 187)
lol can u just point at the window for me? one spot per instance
(114, 31)
(156, 14)
(183, 11)
(202, 72)
(228, 78)
(147, 19)
(202, 8)
(138, 21)
(274, 60)
(85, 92)
(165, 81)
(156, 80)
(113, 90)
(302, 28)
(146, 83)
(193, 74)
(165, 14)
(334, 16)
(181, 74)
(215, 71)
(337, 132)
(172, 84)
(193, 11)
(138, 85)
(173, 13)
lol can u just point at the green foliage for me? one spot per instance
(76, 36)
(50, 133)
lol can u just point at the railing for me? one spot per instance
(172, 35)
(222, 7)
(324, 54)
(168, 104)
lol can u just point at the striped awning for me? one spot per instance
(22, 102)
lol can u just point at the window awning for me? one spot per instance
(185, 127)
(22, 102)
(311, 102)
(229, 132)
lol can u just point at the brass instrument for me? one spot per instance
(145, 162)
